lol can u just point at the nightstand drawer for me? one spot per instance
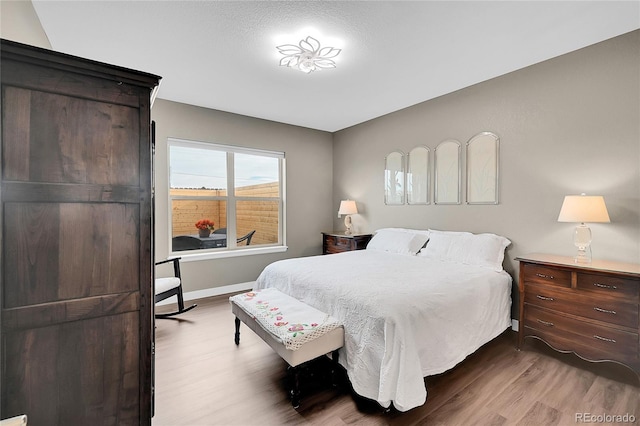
(619, 287)
(584, 304)
(541, 274)
(339, 243)
(335, 244)
(588, 340)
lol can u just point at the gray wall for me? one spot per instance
(19, 22)
(309, 184)
(566, 126)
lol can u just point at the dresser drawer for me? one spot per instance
(587, 340)
(584, 304)
(541, 274)
(609, 286)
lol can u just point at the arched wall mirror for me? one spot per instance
(482, 168)
(447, 173)
(418, 175)
(394, 178)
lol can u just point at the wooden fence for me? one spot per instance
(259, 215)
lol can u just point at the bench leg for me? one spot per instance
(237, 335)
(334, 368)
(295, 386)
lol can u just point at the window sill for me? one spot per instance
(210, 255)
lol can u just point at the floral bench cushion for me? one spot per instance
(289, 320)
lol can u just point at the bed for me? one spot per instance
(413, 304)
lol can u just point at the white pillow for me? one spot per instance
(398, 240)
(407, 230)
(486, 250)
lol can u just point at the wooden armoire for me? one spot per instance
(76, 240)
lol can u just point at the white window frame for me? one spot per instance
(232, 250)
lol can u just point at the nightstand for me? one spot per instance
(590, 309)
(338, 242)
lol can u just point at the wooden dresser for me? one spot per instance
(336, 242)
(77, 254)
(591, 309)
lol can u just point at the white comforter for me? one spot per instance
(405, 317)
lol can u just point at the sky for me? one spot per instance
(197, 168)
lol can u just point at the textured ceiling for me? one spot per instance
(222, 55)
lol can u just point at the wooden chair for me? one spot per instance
(246, 238)
(169, 287)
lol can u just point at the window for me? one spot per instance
(235, 195)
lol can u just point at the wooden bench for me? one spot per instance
(295, 330)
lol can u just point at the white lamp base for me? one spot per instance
(582, 240)
(347, 224)
(584, 255)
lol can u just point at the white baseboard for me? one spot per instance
(208, 292)
(514, 324)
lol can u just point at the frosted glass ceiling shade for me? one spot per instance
(308, 56)
(583, 208)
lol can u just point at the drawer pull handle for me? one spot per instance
(547, 323)
(604, 339)
(606, 311)
(609, 286)
(545, 276)
(544, 297)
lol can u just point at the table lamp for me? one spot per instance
(347, 207)
(583, 208)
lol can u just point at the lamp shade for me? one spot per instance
(583, 208)
(348, 207)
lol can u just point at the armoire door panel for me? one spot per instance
(72, 140)
(70, 373)
(16, 107)
(66, 251)
(31, 252)
(104, 257)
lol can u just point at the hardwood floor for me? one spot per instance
(203, 378)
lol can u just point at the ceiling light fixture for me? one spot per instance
(308, 56)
